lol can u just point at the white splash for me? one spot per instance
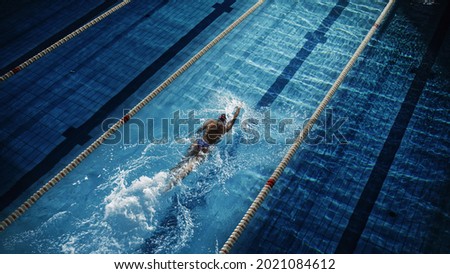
(133, 205)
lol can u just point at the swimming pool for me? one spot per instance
(277, 64)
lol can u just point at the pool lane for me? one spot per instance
(366, 202)
(80, 135)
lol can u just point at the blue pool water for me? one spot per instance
(382, 142)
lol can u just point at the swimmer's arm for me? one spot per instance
(230, 124)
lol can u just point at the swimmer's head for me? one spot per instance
(223, 117)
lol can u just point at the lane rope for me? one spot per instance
(301, 137)
(71, 166)
(61, 41)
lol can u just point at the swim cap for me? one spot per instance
(223, 117)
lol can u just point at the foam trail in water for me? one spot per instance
(135, 204)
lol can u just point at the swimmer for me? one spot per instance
(213, 130)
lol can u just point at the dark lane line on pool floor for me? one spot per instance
(313, 39)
